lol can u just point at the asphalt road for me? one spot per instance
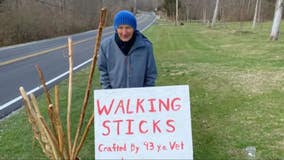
(17, 63)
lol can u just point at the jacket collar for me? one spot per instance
(139, 41)
(125, 46)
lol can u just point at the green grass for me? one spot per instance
(236, 86)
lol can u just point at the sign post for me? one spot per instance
(143, 123)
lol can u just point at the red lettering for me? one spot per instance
(139, 105)
(120, 105)
(152, 109)
(104, 108)
(117, 125)
(155, 126)
(129, 126)
(100, 147)
(132, 126)
(170, 126)
(105, 126)
(124, 106)
(172, 145)
(128, 107)
(140, 127)
(166, 105)
(175, 107)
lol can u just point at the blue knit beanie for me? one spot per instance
(124, 17)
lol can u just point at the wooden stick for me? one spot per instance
(29, 109)
(45, 131)
(70, 53)
(46, 93)
(51, 139)
(57, 118)
(52, 119)
(47, 97)
(90, 78)
(32, 114)
(36, 108)
(86, 131)
(27, 104)
(32, 118)
(58, 125)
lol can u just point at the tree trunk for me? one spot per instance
(215, 13)
(187, 13)
(259, 12)
(277, 20)
(61, 5)
(241, 17)
(176, 12)
(134, 7)
(248, 11)
(255, 14)
(204, 14)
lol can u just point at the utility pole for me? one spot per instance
(176, 12)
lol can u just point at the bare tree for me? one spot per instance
(61, 4)
(176, 22)
(255, 13)
(259, 11)
(228, 10)
(277, 20)
(135, 7)
(27, 20)
(204, 11)
(215, 13)
(249, 4)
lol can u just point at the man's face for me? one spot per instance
(125, 32)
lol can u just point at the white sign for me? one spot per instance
(143, 123)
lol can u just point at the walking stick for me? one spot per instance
(90, 79)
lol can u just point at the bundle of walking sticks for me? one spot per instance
(51, 137)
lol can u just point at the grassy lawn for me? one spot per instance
(236, 84)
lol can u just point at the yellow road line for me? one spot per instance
(42, 52)
(30, 56)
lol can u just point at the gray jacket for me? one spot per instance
(137, 69)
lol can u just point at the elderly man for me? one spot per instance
(126, 59)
